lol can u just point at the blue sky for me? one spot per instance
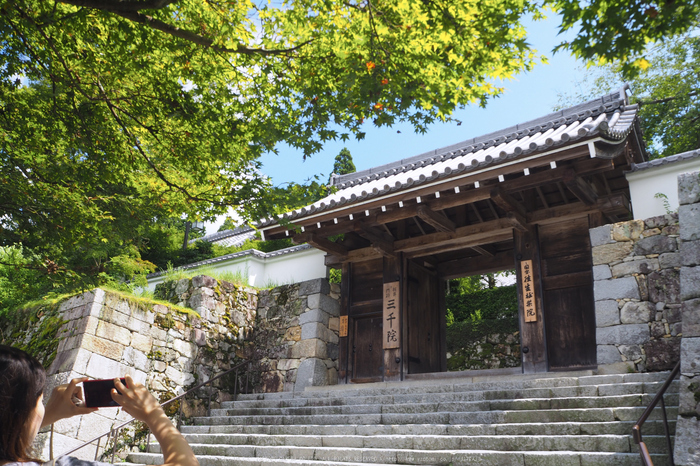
(529, 96)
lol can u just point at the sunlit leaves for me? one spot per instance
(611, 30)
(119, 118)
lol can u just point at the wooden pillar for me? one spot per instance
(533, 345)
(343, 350)
(442, 290)
(392, 357)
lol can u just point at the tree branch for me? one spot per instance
(667, 99)
(145, 156)
(199, 39)
(116, 5)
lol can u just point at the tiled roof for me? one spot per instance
(234, 237)
(609, 117)
(637, 167)
(236, 255)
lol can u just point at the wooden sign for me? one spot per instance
(391, 323)
(343, 330)
(528, 291)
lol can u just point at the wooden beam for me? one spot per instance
(542, 197)
(327, 246)
(518, 221)
(549, 176)
(506, 202)
(397, 213)
(437, 220)
(461, 235)
(466, 243)
(453, 200)
(562, 191)
(381, 242)
(333, 261)
(301, 238)
(493, 208)
(476, 211)
(486, 232)
(420, 227)
(473, 265)
(580, 187)
(483, 251)
(614, 204)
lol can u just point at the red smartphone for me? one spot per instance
(98, 393)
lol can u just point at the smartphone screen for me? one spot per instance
(98, 393)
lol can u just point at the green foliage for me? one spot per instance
(117, 113)
(343, 163)
(619, 30)
(335, 276)
(493, 303)
(229, 224)
(19, 282)
(667, 92)
(262, 246)
(476, 314)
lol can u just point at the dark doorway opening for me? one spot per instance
(482, 330)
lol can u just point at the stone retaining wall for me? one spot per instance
(687, 443)
(106, 334)
(296, 336)
(294, 340)
(289, 333)
(636, 269)
(495, 351)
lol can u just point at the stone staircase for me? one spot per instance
(551, 419)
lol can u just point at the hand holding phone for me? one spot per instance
(98, 393)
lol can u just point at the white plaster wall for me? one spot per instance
(307, 264)
(645, 184)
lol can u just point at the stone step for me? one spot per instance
(447, 385)
(491, 405)
(473, 417)
(229, 444)
(504, 394)
(651, 427)
(377, 457)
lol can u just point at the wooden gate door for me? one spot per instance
(365, 354)
(423, 316)
(567, 282)
(367, 351)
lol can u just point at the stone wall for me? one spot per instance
(294, 339)
(289, 333)
(687, 445)
(495, 351)
(105, 334)
(296, 336)
(636, 271)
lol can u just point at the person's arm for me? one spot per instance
(136, 400)
(61, 404)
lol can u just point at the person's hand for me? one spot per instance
(136, 400)
(62, 403)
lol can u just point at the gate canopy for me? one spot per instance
(465, 200)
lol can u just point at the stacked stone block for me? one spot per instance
(290, 333)
(296, 337)
(106, 335)
(636, 269)
(687, 445)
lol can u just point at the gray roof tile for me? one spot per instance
(637, 167)
(610, 117)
